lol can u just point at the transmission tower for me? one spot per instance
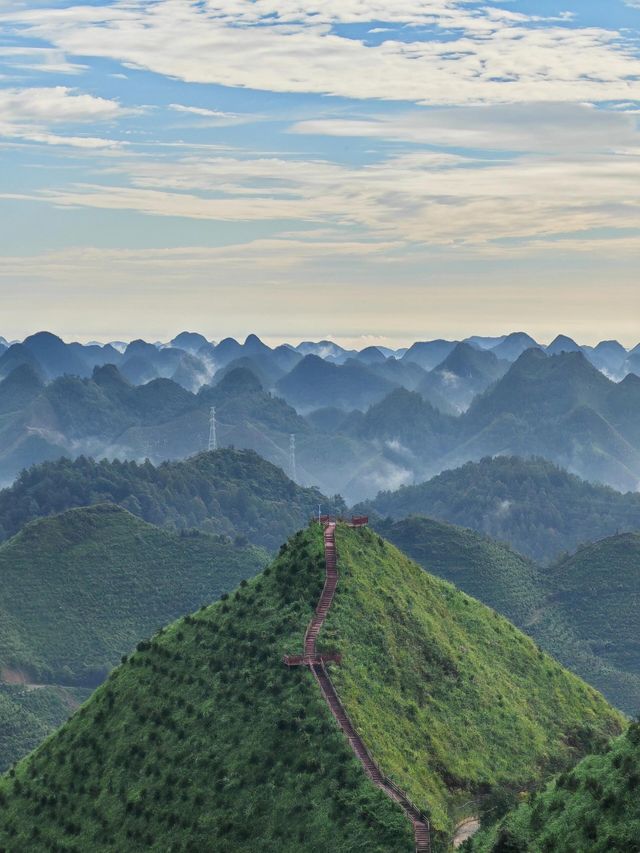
(292, 456)
(213, 433)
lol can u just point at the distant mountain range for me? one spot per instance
(191, 359)
(388, 419)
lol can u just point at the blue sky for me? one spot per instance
(365, 170)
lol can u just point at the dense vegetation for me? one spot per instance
(597, 590)
(203, 740)
(80, 589)
(538, 508)
(481, 567)
(592, 809)
(28, 714)
(451, 698)
(229, 492)
(581, 611)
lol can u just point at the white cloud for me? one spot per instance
(29, 113)
(55, 104)
(492, 55)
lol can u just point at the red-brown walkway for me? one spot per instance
(316, 663)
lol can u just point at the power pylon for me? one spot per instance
(213, 432)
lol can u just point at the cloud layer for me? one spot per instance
(473, 55)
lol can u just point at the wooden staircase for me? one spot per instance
(316, 663)
(328, 591)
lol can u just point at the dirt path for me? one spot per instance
(464, 830)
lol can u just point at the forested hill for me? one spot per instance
(595, 808)
(230, 492)
(538, 508)
(203, 740)
(78, 590)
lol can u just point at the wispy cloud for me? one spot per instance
(200, 111)
(419, 198)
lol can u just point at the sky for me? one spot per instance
(366, 171)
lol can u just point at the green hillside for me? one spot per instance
(538, 508)
(451, 698)
(204, 741)
(598, 589)
(28, 714)
(593, 809)
(481, 567)
(81, 588)
(230, 492)
(581, 612)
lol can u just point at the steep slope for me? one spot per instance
(29, 714)
(561, 344)
(560, 407)
(592, 809)
(535, 506)
(608, 356)
(482, 568)
(370, 355)
(449, 697)
(538, 387)
(81, 588)
(190, 342)
(16, 356)
(247, 417)
(230, 492)
(514, 345)
(56, 357)
(464, 373)
(265, 368)
(406, 424)
(19, 388)
(314, 383)
(535, 600)
(204, 739)
(429, 354)
(73, 415)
